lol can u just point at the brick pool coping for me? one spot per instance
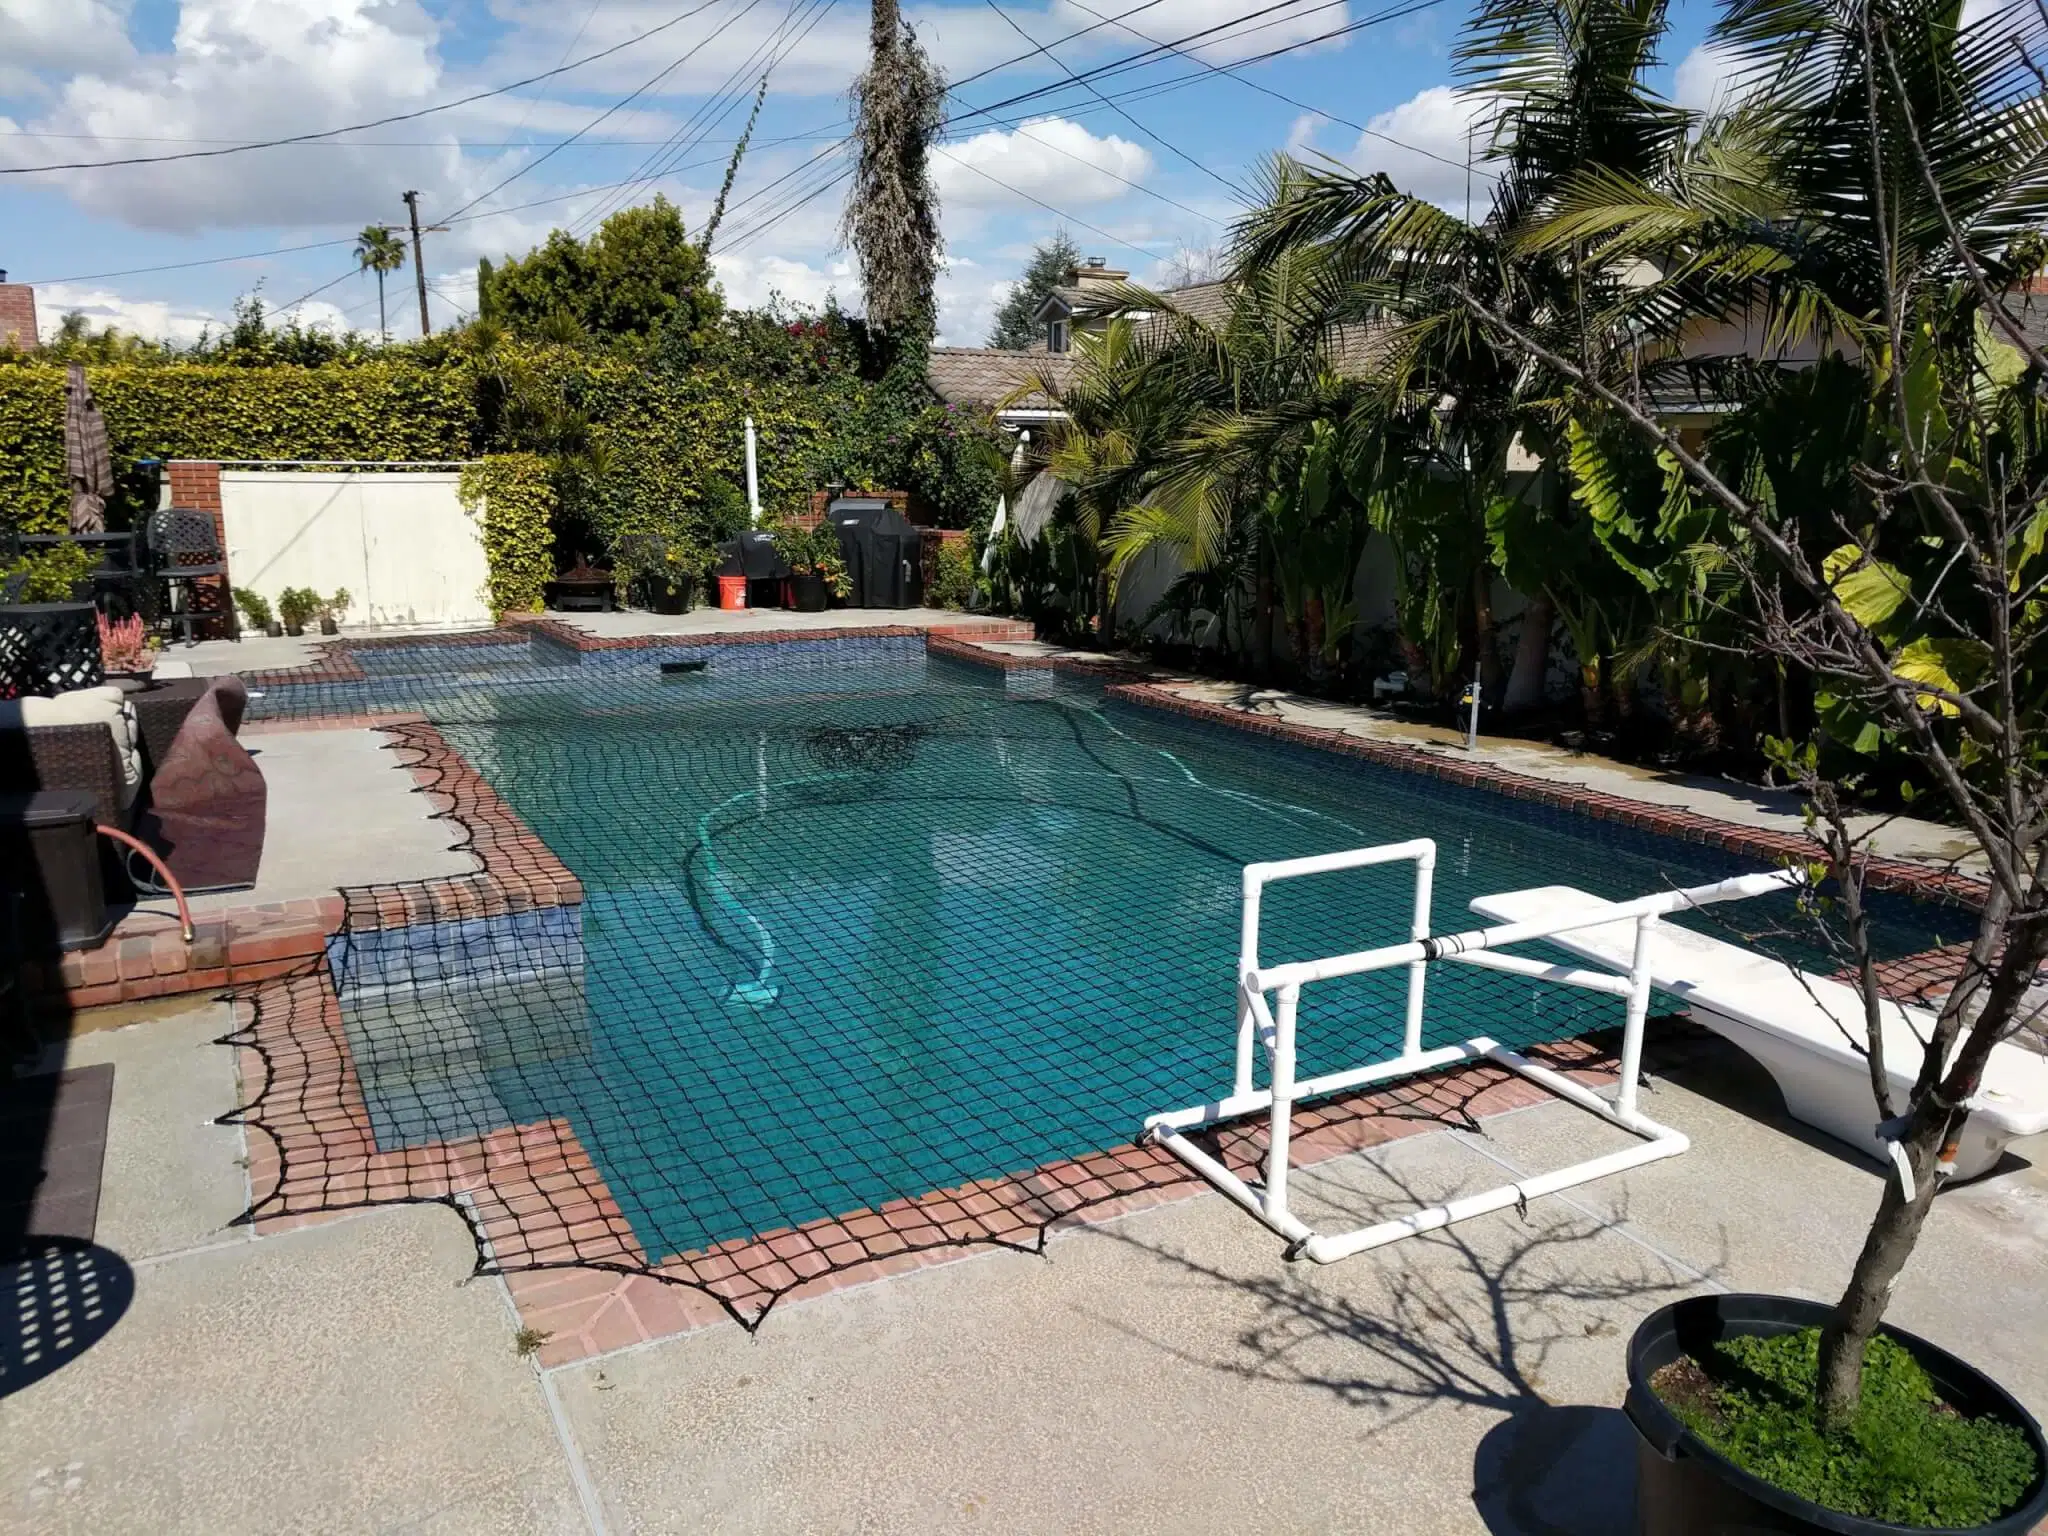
(544, 1218)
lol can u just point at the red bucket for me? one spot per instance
(732, 592)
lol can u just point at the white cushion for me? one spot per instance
(105, 705)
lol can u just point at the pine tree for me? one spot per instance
(1017, 325)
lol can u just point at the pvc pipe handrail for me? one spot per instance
(1422, 849)
(177, 891)
(1737, 888)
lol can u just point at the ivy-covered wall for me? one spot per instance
(516, 495)
(372, 410)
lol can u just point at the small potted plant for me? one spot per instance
(256, 611)
(817, 573)
(295, 605)
(655, 572)
(331, 609)
(127, 653)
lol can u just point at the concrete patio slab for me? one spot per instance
(335, 1379)
(1172, 1361)
(343, 811)
(1164, 1367)
(173, 1179)
(1171, 1364)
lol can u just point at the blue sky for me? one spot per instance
(1136, 182)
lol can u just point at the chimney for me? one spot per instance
(17, 315)
(1094, 273)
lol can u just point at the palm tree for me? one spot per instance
(1448, 404)
(379, 250)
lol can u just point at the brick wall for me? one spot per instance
(195, 484)
(18, 316)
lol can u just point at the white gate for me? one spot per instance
(400, 541)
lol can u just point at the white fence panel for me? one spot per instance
(400, 542)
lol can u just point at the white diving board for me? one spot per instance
(1806, 1030)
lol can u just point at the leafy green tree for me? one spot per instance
(640, 272)
(1017, 325)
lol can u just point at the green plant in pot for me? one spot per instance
(657, 571)
(297, 606)
(331, 609)
(817, 572)
(1873, 523)
(256, 612)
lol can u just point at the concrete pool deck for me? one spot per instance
(349, 1375)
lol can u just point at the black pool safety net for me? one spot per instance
(828, 954)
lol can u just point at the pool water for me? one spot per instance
(860, 924)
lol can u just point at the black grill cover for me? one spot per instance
(881, 549)
(754, 556)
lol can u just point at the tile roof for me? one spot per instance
(987, 375)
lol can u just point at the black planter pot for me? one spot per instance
(1685, 1489)
(807, 592)
(273, 629)
(295, 630)
(329, 627)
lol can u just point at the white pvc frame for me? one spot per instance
(1274, 1027)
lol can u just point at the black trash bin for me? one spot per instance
(50, 867)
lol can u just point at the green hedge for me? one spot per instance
(374, 410)
(515, 495)
(632, 441)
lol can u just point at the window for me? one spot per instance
(1056, 336)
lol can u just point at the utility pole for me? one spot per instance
(419, 260)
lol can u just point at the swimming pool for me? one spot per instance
(860, 923)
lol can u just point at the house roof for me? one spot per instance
(985, 376)
(2029, 306)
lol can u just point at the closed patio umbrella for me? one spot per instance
(88, 459)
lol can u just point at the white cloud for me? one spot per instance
(1423, 145)
(751, 280)
(104, 307)
(1706, 79)
(1047, 157)
(58, 35)
(254, 69)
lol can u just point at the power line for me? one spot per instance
(1120, 66)
(616, 106)
(662, 161)
(380, 122)
(1175, 149)
(138, 138)
(1048, 207)
(1231, 71)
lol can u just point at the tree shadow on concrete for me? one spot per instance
(1470, 1317)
